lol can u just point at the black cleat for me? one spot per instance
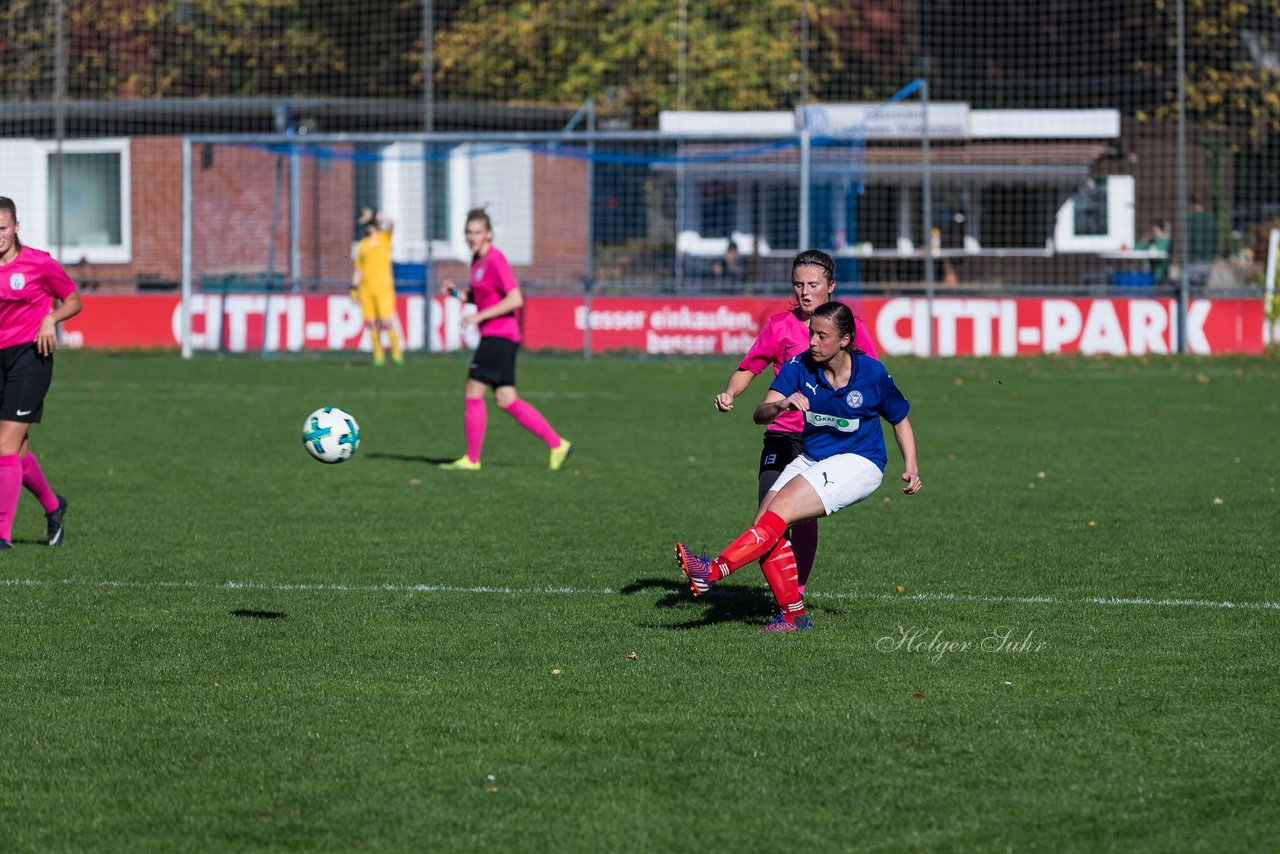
(5, 544)
(55, 522)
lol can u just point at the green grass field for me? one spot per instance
(239, 648)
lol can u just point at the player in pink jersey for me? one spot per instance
(496, 294)
(30, 282)
(784, 336)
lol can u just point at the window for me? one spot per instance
(436, 189)
(874, 216)
(461, 177)
(777, 210)
(87, 212)
(413, 183)
(1090, 216)
(717, 208)
(1098, 217)
(1015, 216)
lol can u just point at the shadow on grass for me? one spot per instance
(258, 615)
(410, 458)
(722, 604)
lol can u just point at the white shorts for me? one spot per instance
(840, 481)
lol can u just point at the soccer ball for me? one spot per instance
(331, 435)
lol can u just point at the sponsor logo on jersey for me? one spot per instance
(479, 273)
(17, 281)
(844, 425)
(853, 398)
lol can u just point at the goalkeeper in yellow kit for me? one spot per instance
(373, 287)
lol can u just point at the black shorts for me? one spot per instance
(779, 450)
(25, 376)
(494, 362)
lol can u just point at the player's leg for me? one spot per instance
(12, 435)
(386, 313)
(486, 371)
(34, 481)
(369, 309)
(793, 499)
(754, 543)
(804, 539)
(525, 413)
(751, 545)
(780, 448)
(475, 420)
(25, 377)
(780, 571)
(809, 489)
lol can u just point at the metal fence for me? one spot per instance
(969, 145)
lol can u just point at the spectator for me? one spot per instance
(1202, 242)
(1157, 239)
(729, 271)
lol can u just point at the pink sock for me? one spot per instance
(10, 489)
(476, 419)
(531, 419)
(33, 479)
(804, 542)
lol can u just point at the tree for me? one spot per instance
(642, 56)
(193, 48)
(1233, 63)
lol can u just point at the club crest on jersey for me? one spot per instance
(854, 398)
(17, 281)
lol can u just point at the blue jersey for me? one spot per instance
(844, 420)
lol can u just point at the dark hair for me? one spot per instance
(6, 204)
(816, 258)
(480, 215)
(843, 319)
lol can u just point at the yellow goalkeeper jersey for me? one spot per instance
(373, 260)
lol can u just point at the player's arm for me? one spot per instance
(510, 301)
(738, 382)
(775, 403)
(385, 222)
(449, 288)
(906, 439)
(47, 336)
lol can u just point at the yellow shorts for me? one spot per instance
(378, 303)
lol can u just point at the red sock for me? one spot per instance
(780, 571)
(34, 480)
(10, 490)
(754, 543)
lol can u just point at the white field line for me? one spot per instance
(282, 587)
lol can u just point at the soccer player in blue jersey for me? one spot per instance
(842, 394)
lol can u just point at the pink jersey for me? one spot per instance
(28, 285)
(491, 280)
(783, 337)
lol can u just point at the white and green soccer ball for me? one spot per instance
(331, 435)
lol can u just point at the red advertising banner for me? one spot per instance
(962, 326)
(976, 326)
